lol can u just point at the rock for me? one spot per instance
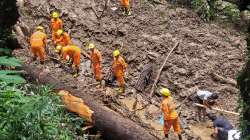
(181, 71)
(152, 109)
(20, 3)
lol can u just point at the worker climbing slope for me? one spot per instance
(171, 117)
(96, 59)
(38, 44)
(119, 67)
(56, 24)
(72, 52)
(62, 38)
(125, 4)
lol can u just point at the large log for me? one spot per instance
(112, 125)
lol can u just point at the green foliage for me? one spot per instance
(243, 83)
(9, 76)
(211, 9)
(5, 51)
(202, 8)
(36, 113)
(10, 61)
(226, 10)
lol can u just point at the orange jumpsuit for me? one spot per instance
(125, 3)
(56, 24)
(118, 67)
(38, 43)
(96, 59)
(74, 53)
(63, 40)
(170, 115)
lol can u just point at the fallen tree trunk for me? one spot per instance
(112, 125)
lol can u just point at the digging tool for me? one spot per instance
(160, 70)
(217, 109)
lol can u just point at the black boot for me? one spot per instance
(166, 135)
(42, 62)
(180, 137)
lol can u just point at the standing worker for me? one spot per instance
(126, 7)
(56, 24)
(72, 52)
(62, 38)
(38, 44)
(119, 67)
(96, 59)
(205, 98)
(171, 118)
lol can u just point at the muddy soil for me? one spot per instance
(204, 49)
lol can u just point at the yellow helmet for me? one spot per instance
(59, 32)
(58, 48)
(55, 15)
(40, 28)
(116, 53)
(64, 49)
(165, 92)
(91, 46)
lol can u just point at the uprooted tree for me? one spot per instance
(244, 82)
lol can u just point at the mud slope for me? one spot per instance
(204, 48)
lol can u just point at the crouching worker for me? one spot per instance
(221, 126)
(62, 38)
(72, 52)
(171, 117)
(205, 98)
(38, 44)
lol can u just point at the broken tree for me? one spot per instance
(112, 125)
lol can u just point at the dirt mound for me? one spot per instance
(205, 49)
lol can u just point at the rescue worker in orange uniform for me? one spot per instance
(62, 38)
(56, 24)
(96, 59)
(126, 7)
(71, 52)
(171, 118)
(38, 44)
(119, 67)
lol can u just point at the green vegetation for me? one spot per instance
(31, 113)
(244, 82)
(10, 76)
(216, 9)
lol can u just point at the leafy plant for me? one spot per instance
(10, 76)
(202, 7)
(243, 83)
(35, 114)
(10, 61)
(5, 51)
